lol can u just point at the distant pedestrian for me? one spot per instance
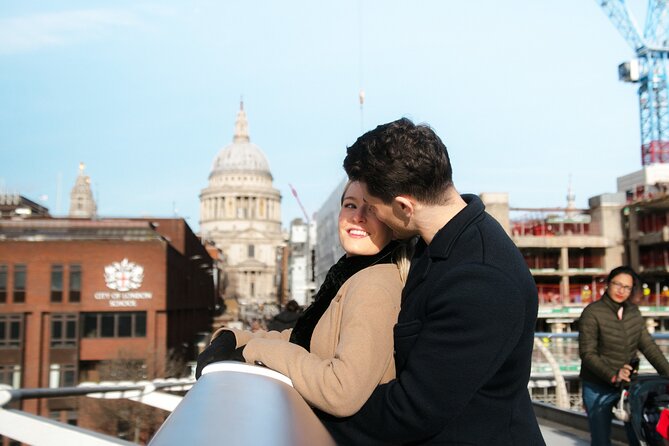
(286, 318)
(256, 325)
(611, 332)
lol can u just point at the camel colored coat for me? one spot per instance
(351, 347)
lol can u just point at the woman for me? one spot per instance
(611, 331)
(342, 346)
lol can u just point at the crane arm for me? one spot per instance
(623, 21)
(294, 192)
(656, 33)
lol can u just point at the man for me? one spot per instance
(463, 341)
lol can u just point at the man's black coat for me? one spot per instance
(463, 346)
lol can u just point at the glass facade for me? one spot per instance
(114, 324)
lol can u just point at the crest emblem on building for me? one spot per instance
(124, 275)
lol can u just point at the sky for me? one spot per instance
(524, 93)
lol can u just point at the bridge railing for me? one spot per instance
(248, 405)
(36, 430)
(240, 404)
(564, 348)
(232, 403)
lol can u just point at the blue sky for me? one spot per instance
(523, 92)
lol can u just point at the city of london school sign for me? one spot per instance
(123, 278)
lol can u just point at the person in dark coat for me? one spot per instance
(611, 332)
(464, 337)
(287, 318)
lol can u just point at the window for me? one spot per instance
(62, 375)
(124, 430)
(140, 325)
(10, 330)
(19, 283)
(114, 325)
(3, 284)
(75, 284)
(251, 251)
(10, 375)
(64, 416)
(71, 417)
(63, 330)
(90, 326)
(107, 325)
(56, 283)
(124, 325)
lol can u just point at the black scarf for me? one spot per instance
(335, 278)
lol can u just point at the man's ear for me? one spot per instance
(405, 205)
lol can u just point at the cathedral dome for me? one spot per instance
(242, 155)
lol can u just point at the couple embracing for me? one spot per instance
(438, 353)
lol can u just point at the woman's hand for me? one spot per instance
(220, 349)
(624, 373)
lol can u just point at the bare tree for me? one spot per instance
(124, 418)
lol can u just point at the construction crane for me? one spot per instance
(649, 71)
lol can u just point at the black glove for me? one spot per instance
(220, 349)
(238, 355)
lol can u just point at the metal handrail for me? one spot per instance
(241, 404)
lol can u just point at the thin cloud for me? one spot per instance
(35, 32)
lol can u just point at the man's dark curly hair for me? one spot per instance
(401, 158)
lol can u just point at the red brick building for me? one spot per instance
(77, 293)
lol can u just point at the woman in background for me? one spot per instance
(611, 332)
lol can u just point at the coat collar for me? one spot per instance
(445, 238)
(612, 304)
(442, 242)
